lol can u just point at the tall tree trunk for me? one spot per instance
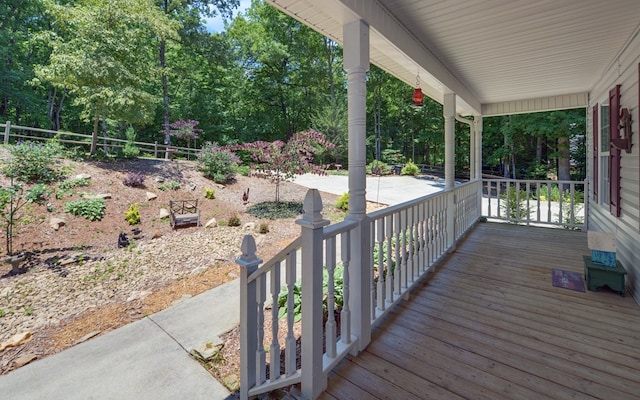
(165, 83)
(564, 165)
(539, 149)
(59, 110)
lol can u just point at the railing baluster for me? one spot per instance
(261, 358)
(345, 315)
(274, 347)
(330, 326)
(398, 275)
(290, 351)
(380, 295)
(390, 269)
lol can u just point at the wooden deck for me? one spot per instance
(488, 324)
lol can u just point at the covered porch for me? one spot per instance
(488, 324)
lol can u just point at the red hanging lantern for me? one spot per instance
(417, 97)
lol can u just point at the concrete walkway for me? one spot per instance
(149, 359)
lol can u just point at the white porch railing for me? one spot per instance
(406, 241)
(535, 202)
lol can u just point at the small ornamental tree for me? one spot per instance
(184, 129)
(280, 161)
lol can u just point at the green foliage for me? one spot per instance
(513, 204)
(38, 193)
(209, 193)
(91, 209)
(391, 156)
(132, 215)
(73, 183)
(217, 163)
(410, 169)
(276, 209)
(338, 294)
(234, 220)
(378, 168)
(169, 185)
(130, 149)
(343, 202)
(34, 162)
(244, 170)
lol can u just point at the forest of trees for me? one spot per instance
(103, 66)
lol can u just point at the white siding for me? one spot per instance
(623, 71)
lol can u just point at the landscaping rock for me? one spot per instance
(249, 226)
(82, 176)
(212, 223)
(192, 186)
(24, 360)
(164, 213)
(16, 340)
(151, 196)
(56, 223)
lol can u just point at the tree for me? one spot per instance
(280, 161)
(108, 76)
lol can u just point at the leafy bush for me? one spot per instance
(263, 228)
(410, 169)
(67, 185)
(276, 209)
(132, 215)
(343, 202)
(34, 162)
(234, 220)
(244, 170)
(91, 209)
(338, 297)
(130, 149)
(378, 168)
(513, 205)
(217, 163)
(209, 193)
(38, 193)
(134, 179)
(170, 185)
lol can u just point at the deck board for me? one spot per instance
(488, 324)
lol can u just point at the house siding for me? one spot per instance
(623, 71)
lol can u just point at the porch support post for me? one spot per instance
(477, 149)
(477, 125)
(449, 111)
(356, 64)
(313, 380)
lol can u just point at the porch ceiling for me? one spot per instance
(498, 56)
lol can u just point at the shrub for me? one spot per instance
(132, 215)
(244, 170)
(513, 205)
(170, 185)
(378, 168)
(67, 185)
(343, 202)
(263, 228)
(91, 209)
(134, 179)
(217, 163)
(209, 193)
(130, 149)
(234, 220)
(38, 193)
(34, 162)
(410, 169)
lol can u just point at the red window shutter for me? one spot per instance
(596, 124)
(614, 154)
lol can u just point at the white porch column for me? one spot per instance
(356, 64)
(449, 111)
(477, 124)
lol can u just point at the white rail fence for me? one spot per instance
(536, 202)
(406, 241)
(17, 133)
